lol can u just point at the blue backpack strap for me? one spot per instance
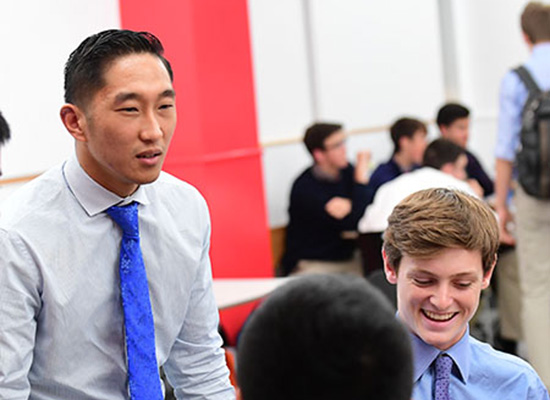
(528, 80)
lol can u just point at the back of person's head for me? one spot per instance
(535, 22)
(432, 220)
(440, 152)
(317, 133)
(85, 68)
(405, 127)
(325, 337)
(450, 112)
(4, 130)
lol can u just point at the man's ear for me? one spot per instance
(527, 40)
(318, 155)
(390, 271)
(447, 168)
(74, 120)
(486, 281)
(404, 143)
(444, 130)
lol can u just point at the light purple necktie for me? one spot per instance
(443, 366)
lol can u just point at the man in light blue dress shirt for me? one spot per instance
(61, 317)
(440, 250)
(532, 214)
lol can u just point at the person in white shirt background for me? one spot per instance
(444, 165)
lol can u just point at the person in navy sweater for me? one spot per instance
(409, 142)
(326, 201)
(453, 121)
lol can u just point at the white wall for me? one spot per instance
(488, 43)
(37, 38)
(368, 63)
(362, 63)
(374, 61)
(280, 66)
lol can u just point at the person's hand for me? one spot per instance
(362, 167)
(475, 186)
(338, 207)
(505, 219)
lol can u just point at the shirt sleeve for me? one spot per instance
(537, 390)
(362, 196)
(513, 95)
(20, 302)
(381, 175)
(196, 366)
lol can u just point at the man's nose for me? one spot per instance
(151, 129)
(442, 297)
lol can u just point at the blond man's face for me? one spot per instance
(438, 296)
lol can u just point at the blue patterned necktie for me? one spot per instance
(443, 366)
(143, 372)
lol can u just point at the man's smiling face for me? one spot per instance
(438, 296)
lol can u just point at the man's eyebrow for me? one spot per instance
(168, 93)
(470, 274)
(125, 96)
(466, 274)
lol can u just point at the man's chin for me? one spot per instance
(149, 178)
(440, 340)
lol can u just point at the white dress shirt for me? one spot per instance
(391, 193)
(61, 318)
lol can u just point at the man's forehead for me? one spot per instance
(461, 121)
(435, 264)
(335, 136)
(123, 64)
(129, 76)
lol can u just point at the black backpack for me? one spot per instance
(533, 158)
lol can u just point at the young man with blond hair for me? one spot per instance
(440, 249)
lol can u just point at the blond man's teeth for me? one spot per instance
(439, 317)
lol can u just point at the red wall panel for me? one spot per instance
(215, 147)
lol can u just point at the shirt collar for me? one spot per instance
(322, 176)
(93, 197)
(425, 354)
(401, 170)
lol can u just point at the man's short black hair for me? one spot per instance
(317, 133)
(450, 112)
(4, 130)
(405, 127)
(325, 337)
(86, 65)
(440, 152)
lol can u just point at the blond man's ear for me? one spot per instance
(389, 270)
(486, 281)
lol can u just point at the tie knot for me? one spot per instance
(443, 366)
(127, 218)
